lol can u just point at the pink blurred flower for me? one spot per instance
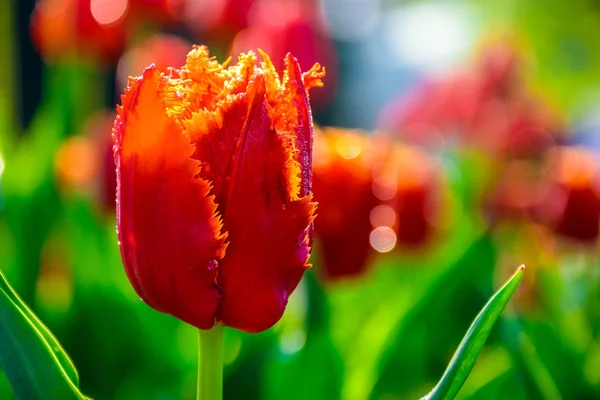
(487, 107)
(515, 192)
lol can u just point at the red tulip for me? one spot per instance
(85, 163)
(214, 199)
(343, 179)
(94, 29)
(571, 205)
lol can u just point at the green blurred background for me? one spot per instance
(388, 331)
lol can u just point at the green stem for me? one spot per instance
(210, 364)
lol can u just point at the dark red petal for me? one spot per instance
(167, 225)
(579, 219)
(411, 208)
(268, 248)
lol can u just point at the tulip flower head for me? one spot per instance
(214, 198)
(343, 180)
(571, 205)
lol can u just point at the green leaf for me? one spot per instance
(465, 356)
(34, 362)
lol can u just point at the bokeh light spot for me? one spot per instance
(292, 342)
(383, 215)
(383, 239)
(348, 146)
(385, 185)
(108, 12)
(429, 36)
(76, 161)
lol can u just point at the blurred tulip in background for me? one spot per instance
(79, 28)
(418, 199)
(570, 204)
(86, 162)
(488, 106)
(343, 187)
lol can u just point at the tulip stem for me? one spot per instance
(210, 364)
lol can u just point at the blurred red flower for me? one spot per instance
(88, 28)
(214, 199)
(85, 163)
(412, 188)
(166, 11)
(515, 192)
(343, 179)
(571, 199)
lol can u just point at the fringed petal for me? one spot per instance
(168, 226)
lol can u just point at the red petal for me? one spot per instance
(167, 225)
(269, 247)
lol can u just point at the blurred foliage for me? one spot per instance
(564, 56)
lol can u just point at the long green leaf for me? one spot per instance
(32, 359)
(465, 356)
(55, 346)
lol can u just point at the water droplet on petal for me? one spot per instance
(212, 264)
